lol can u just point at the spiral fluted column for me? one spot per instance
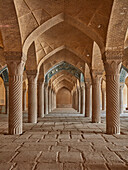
(103, 90)
(96, 79)
(88, 99)
(15, 96)
(121, 98)
(32, 98)
(40, 99)
(112, 69)
(83, 98)
(24, 99)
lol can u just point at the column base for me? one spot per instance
(15, 131)
(113, 130)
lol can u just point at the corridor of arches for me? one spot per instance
(64, 84)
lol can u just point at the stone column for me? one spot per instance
(103, 98)
(127, 97)
(16, 69)
(96, 79)
(88, 99)
(112, 69)
(46, 98)
(40, 99)
(121, 98)
(77, 100)
(79, 91)
(32, 98)
(83, 98)
(7, 97)
(54, 100)
(24, 99)
(49, 99)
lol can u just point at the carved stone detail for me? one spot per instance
(112, 69)
(15, 96)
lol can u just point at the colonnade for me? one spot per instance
(42, 97)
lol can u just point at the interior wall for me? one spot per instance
(63, 98)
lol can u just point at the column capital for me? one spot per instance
(112, 67)
(14, 55)
(96, 74)
(113, 54)
(16, 67)
(88, 83)
(32, 75)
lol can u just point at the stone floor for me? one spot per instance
(64, 142)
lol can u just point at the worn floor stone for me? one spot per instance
(61, 142)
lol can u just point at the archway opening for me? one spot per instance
(63, 98)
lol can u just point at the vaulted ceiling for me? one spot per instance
(47, 32)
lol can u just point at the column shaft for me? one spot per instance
(96, 100)
(103, 99)
(88, 100)
(112, 97)
(15, 96)
(32, 99)
(79, 100)
(83, 99)
(40, 100)
(7, 98)
(121, 98)
(49, 99)
(24, 99)
(46, 98)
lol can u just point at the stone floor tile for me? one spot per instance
(34, 147)
(64, 136)
(72, 157)
(23, 166)
(96, 166)
(117, 166)
(6, 166)
(123, 155)
(93, 158)
(72, 166)
(9, 146)
(59, 148)
(49, 166)
(111, 157)
(26, 156)
(6, 156)
(48, 157)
